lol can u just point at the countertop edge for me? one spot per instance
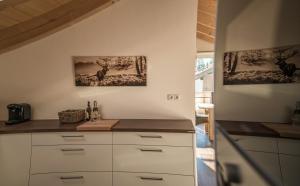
(124, 125)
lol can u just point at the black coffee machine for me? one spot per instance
(18, 113)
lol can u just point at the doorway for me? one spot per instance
(204, 89)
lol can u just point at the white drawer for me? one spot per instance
(70, 158)
(153, 159)
(290, 167)
(269, 162)
(144, 179)
(153, 138)
(68, 138)
(262, 144)
(289, 146)
(72, 179)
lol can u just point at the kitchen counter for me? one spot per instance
(139, 125)
(263, 129)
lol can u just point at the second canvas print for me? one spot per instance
(110, 70)
(262, 66)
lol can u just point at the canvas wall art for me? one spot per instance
(110, 70)
(262, 66)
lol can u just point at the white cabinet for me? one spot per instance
(72, 179)
(290, 167)
(144, 138)
(269, 162)
(154, 159)
(264, 151)
(97, 159)
(72, 138)
(262, 144)
(289, 146)
(69, 158)
(14, 159)
(147, 179)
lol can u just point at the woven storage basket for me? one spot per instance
(71, 116)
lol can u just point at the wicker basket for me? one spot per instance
(71, 116)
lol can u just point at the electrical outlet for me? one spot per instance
(172, 97)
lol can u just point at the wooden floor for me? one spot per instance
(205, 159)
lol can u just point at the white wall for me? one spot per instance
(41, 73)
(255, 24)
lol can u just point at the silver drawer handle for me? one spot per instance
(72, 136)
(150, 150)
(71, 177)
(150, 136)
(151, 178)
(72, 149)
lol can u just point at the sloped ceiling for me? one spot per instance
(22, 21)
(206, 20)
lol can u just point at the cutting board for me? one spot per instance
(285, 130)
(98, 125)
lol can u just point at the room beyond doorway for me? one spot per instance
(204, 88)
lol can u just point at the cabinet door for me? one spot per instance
(289, 146)
(147, 179)
(253, 143)
(154, 159)
(70, 158)
(72, 179)
(14, 159)
(153, 138)
(269, 162)
(290, 167)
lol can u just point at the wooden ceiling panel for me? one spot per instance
(10, 3)
(206, 29)
(35, 7)
(33, 18)
(206, 20)
(205, 37)
(6, 21)
(14, 14)
(208, 6)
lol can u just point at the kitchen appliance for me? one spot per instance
(18, 113)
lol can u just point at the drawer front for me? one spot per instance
(153, 138)
(72, 179)
(261, 144)
(289, 146)
(142, 179)
(69, 138)
(269, 162)
(153, 159)
(290, 167)
(70, 158)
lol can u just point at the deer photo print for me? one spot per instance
(110, 70)
(262, 66)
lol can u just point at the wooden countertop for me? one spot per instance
(140, 125)
(263, 129)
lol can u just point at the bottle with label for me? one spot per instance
(88, 111)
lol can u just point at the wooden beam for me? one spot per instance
(206, 29)
(10, 3)
(209, 6)
(206, 19)
(41, 25)
(205, 37)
